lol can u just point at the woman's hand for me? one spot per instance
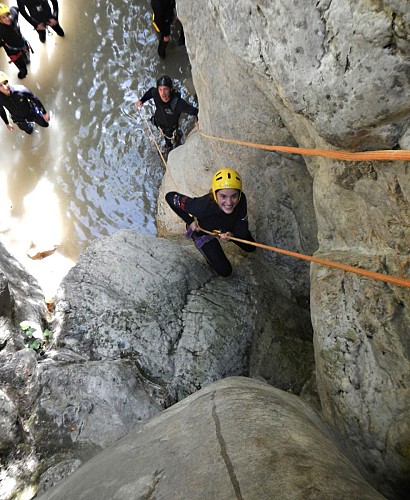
(194, 226)
(225, 236)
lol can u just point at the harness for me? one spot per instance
(19, 51)
(172, 105)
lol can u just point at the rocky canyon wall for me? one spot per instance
(331, 75)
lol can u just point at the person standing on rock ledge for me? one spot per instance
(224, 209)
(169, 107)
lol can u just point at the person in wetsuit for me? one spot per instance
(24, 107)
(223, 209)
(15, 45)
(163, 16)
(169, 107)
(39, 14)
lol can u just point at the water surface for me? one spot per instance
(94, 170)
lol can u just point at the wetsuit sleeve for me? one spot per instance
(178, 202)
(148, 95)
(24, 12)
(14, 14)
(3, 115)
(241, 229)
(185, 107)
(55, 8)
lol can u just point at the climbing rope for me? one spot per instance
(366, 155)
(329, 263)
(388, 154)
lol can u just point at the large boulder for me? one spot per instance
(237, 438)
(140, 323)
(157, 302)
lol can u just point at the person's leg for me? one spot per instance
(58, 29)
(216, 258)
(21, 65)
(168, 134)
(42, 35)
(38, 118)
(162, 44)
(25, 125)
(177, 137)
(181, 39)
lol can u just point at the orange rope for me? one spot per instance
(388, 154)
(324, 262)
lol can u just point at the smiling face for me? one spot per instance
(6, 18)
(164, 92)
(5, 88)
(227, 199)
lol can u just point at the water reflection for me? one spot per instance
(94, 170)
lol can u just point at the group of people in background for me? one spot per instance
(40, 14)
(223, 209)
(25, 108)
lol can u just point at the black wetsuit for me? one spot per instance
(167, 113)
(24, 108)
(39, 11)
(211, 217)
(162, 19)
(15, 45)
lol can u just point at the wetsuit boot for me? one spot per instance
(22, 73)
(58, 29)
(42, 35)
(161, 48)
(177, 138)
(26, 126)
(181, 39)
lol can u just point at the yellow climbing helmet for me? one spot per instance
(3, 77)
(4, 9)
(226, 178)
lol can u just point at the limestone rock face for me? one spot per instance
(182, 326)
(237, 438)
(325, 75)
(140, 323)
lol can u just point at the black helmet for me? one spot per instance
(164, 81)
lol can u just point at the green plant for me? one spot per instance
(36, 338)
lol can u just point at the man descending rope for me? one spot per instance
(15, 45)
(169, 107)
(224, 209)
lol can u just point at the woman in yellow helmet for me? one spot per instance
(15, 45)
(223, 209)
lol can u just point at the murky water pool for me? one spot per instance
(95, 170)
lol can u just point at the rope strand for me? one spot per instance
(329, 263)
(388, 154)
